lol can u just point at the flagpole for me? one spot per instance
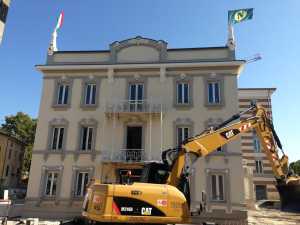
(231, 41)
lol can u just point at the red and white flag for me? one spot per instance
(60, 21)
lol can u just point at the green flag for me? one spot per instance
(239, 15)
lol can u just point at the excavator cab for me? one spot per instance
(155, 173)
(158, 173)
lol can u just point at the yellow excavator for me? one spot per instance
(162, 196)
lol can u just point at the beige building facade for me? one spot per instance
(261, 183)
(11, 158)
(105, 112)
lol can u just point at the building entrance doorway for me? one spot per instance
(134, 143)
(134, 137)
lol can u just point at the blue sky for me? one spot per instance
(92, 24)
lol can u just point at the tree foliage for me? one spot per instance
(23, 127)
(295, 166)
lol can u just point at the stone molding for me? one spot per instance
(90, 79)
(63, 80)
(62, 122)
(160, 46)
(183, 78)
(87, 122)
(45, 170)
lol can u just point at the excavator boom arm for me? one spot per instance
(209, 141)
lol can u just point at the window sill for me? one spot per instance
(89, 107)
(218, 201)
(84, 151)
(61, 106)
(55, 151)
(214, 105)
(183, 105)
(49, 198)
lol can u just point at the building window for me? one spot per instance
(82, 179)
(136, 96)
(136, 92)
(258, 166)
(182, 134)
(51, 184)
(214, 96)
(7, 171)
(256, 143)
(57, 138)
(90, 94)
(217, 187)
(86, 142)
(183, 93)
(62, 94)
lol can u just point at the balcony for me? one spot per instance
(134, 106)
(125, 156)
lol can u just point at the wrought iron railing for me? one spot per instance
(135, 106)
(125, 155)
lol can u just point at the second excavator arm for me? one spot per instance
(210, 140)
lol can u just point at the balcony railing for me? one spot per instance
(133, 106)
(125, 155)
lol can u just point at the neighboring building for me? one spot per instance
(11, 158)
(262, 181)
(104, 112)
(4, 6)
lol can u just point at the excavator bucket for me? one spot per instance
(290, 195)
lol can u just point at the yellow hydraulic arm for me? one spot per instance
(210, 140)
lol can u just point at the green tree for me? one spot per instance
(295, 166)
(23, 127)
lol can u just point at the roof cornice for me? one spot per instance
(238, 63)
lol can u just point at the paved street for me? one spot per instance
(273, 217)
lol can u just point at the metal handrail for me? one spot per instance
(125, 155)
(146, 106)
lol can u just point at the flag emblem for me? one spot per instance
(239, 15)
